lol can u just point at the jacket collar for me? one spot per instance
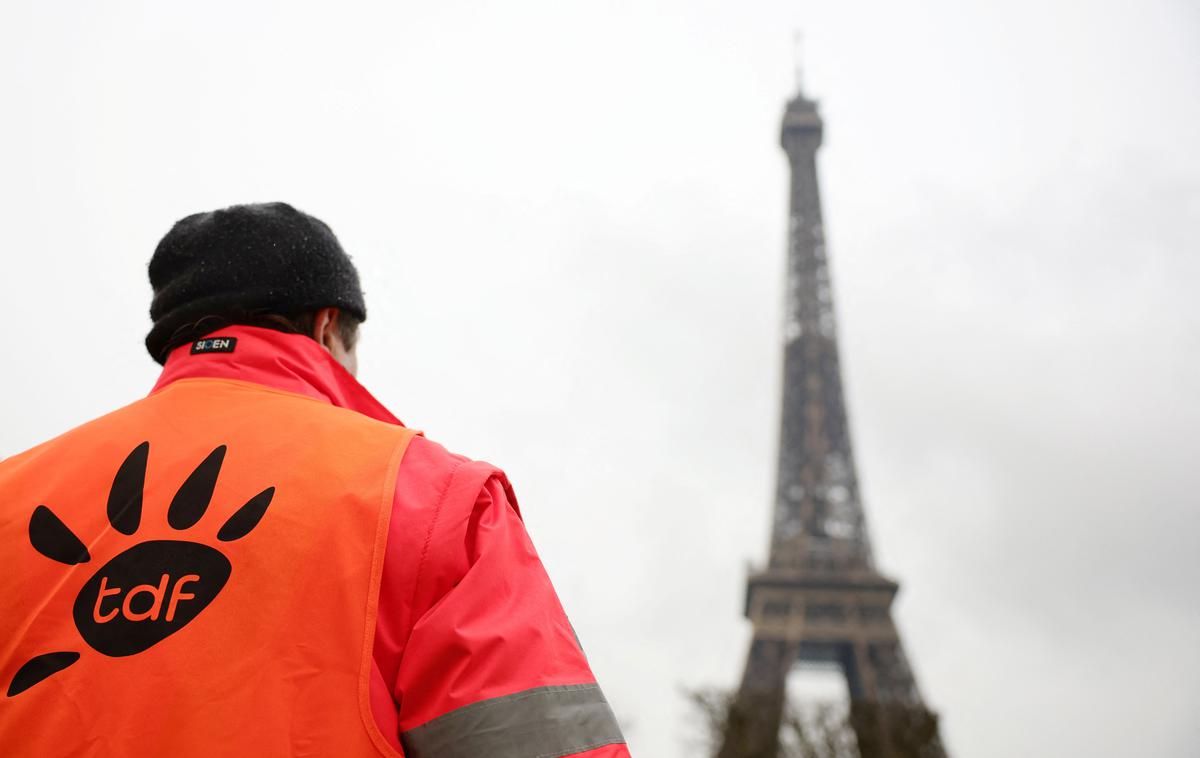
(289, 362)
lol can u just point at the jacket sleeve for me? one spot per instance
(492, 668)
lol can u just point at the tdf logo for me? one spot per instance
(119, 613)
(151, 590)
(156, 599)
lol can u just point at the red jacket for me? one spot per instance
(473, 654)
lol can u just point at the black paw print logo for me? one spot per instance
(153, 589)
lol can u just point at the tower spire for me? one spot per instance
(798, 60)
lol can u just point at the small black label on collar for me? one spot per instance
(214, 345)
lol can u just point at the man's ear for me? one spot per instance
(325, 331)
(328, 335)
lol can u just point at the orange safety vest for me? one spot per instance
(196, 574)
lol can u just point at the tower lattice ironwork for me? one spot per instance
(820, 597)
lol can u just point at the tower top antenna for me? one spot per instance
(798, 59)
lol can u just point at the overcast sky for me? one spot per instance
(569, 219)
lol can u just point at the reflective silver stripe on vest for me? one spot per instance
(543, 722)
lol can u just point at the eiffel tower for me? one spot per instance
(820, 598)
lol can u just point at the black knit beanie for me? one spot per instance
(246, 259)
